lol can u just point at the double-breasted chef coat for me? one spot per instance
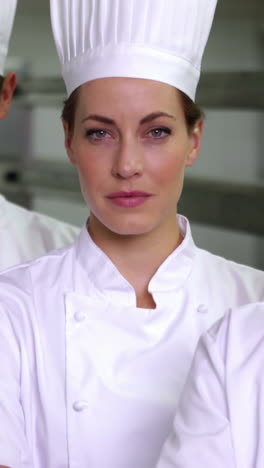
(25, 234)
(220, 420)
(87, 379)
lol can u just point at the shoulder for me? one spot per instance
(21, 280)
(223, 263)
(56, 233)
(215, 266)
(32, 298)
(231, 272)
(55, 226)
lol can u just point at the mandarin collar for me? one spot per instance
(95, 273)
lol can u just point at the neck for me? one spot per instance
(138, 257)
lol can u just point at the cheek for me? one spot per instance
(86, 161)
(89, 176)
(169, 166)
(93, 171)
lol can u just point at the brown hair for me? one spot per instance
(69, 109)
(192, 111)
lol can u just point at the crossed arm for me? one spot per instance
(201, 434)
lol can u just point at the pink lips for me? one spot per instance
(130, 199)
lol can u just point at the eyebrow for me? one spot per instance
(99, 118)
(155, 115)
(147, 119)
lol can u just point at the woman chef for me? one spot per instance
(98, 338)
(24, 235)
(220, 417)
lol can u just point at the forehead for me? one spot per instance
(131, 94)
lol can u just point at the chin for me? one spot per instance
(130, 230)
(130, 227)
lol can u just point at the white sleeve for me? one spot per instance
(13, 444)
(201, 435)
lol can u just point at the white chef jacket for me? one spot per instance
(220, 419)
(25, 234)
(87, 379)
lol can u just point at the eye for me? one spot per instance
(159, 132)
(97, 134)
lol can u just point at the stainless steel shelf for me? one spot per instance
(237, 9)
(231, 206)
(239, 90)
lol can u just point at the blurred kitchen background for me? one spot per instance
(224, 192)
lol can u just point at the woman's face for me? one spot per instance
(131, 145)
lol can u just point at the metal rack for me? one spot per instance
(238, 90)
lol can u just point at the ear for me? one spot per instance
(8, 88)
(195, 140)
(68, 142)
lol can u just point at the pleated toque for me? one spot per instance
(162, 40)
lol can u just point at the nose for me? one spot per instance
(128, 160)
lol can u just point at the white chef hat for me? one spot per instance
(7, 14)
(160, 40)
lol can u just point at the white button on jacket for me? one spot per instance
(220, 420)
(102, 392)
(25, 235)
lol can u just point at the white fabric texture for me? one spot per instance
(88, 379)
(149, 39)
(220, 420)
(7, 14)
(25, 235)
